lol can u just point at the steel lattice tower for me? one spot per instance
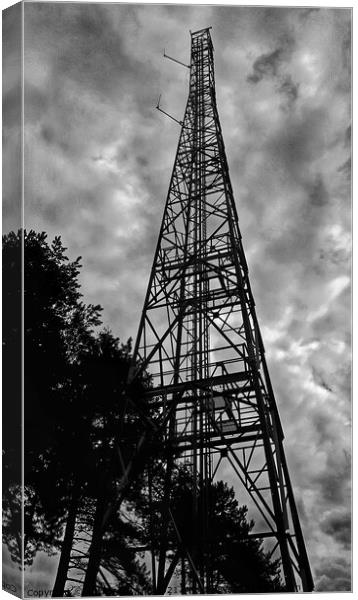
(200, 340)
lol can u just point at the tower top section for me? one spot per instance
(201, 40)
(205, 31)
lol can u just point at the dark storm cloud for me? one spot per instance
(86, 53)
(266, 65)
(87, 46)
(338, 525)
(98, 164)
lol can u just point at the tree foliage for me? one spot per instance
(57, 326)
(76, 393)
(238, 561)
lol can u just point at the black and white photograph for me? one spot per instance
(176, 299)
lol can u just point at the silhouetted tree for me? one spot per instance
(57, 324)
(76, 394)
(11, 396)
(237, 560)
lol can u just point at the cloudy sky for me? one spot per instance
(97, 167)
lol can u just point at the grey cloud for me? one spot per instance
(317, 191)
(259, 21)
(86, 48)
(37, 102)
(346, 168)
(298, 235)
(269, 66)
(343, 374)
(334, 257)
(306, 12)
(333, 575)
(338, 525)
(95, 56)
(273, 22)
(322, 429)
(346, 49)
(53, 137)
(337, 318)
(288, 88)
(334, 482)
(348, 136)
(11, 119)
(300, 140)
(266, 65)
(336, 581)
(11, 106)
(320, 380)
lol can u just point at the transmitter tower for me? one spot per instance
(200, 340)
